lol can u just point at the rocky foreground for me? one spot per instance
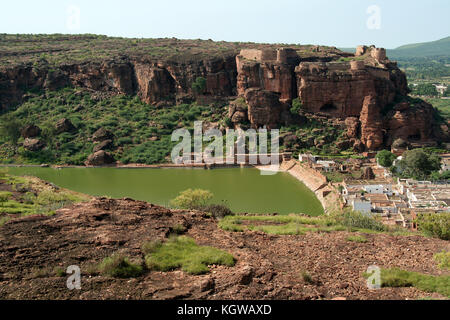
(267, 267)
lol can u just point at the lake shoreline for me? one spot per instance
(133, 166)
(244, 188)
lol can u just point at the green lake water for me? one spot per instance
(243, 189)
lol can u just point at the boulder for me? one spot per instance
(400, 144)
(245, 275)
(411, 124)
(343, 145)
(101, 135)
(31, 131)
(33, 144)
(358, 146)
(100, 158)
(64, 125)
(104, 145)
(264, 108)
(238, 111)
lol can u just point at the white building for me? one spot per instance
(327, 166)
(379, 189)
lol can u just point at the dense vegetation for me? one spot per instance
(430, 68)
(435, 224)
(142, 133)
(418, 164)
(385, 158)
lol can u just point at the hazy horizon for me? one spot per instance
(343, 24)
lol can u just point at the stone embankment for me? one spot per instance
(316, 182)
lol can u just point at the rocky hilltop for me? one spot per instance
(267, 266)
(365, 91)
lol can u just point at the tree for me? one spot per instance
(192, 199)
(419, 165)
(447, 92)
(385, 158)
(10, 128)
(296, 106)
(199, 86)
(426, 89)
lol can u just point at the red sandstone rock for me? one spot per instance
(333, 89)
(33, 144)
(411, 124)
(30, 131)
(353, 125)
(264, 108)
(371, 124)
(100, 158)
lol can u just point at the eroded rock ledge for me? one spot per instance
(267, 267)
(367, 90)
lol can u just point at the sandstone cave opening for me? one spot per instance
(328, 108)
(414, 137)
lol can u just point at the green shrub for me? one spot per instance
(178, 229)
(435, 224)
(151, 246)
(385, 158)
(4, 196)
(10, 128)
(359, 239)
(4, 220)
(192, 199)
(443, 258)
(118, 266)
(182, 252)
(297, 106)
(228, 122)
(218, 211)
(401, 278)
(306, 277)
(199, 86)
(354, 219)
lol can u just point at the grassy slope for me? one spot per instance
(133, 123)
(434, 48)
(60, 49)
(135, 126)
(30, 196)
(443, 105)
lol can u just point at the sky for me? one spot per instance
(340, 23)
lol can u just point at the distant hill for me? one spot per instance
(417, 50)
(426, 49)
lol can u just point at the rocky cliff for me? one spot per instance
(362, 89)
(366, 89)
